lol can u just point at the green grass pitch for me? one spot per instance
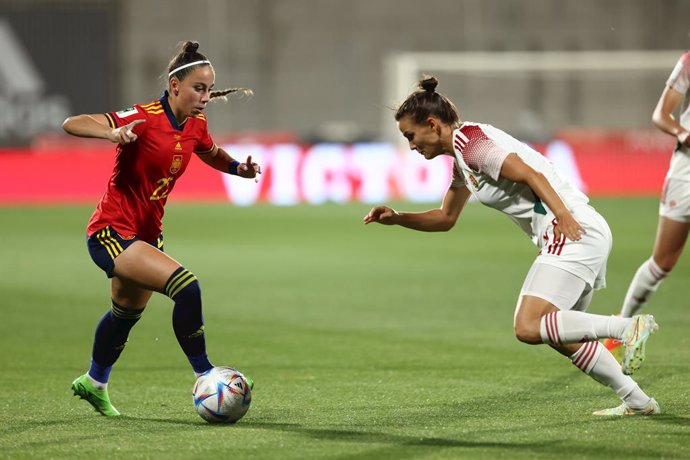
(364, 342)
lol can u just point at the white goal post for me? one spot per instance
(403, 69)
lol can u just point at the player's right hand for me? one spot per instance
(125, 134)
(382, 215)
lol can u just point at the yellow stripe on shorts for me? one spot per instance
(109, 243)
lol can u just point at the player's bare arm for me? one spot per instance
(663, 115)
(96, 126)
(219, 159)
(516, 170)
(433, 220)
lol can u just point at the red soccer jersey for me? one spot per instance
(146, 170)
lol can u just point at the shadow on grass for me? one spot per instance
(385, 438)
(669, 419)
(534, 432)
(390, 445)
(102, 423)
(665, 419)
(166, 421)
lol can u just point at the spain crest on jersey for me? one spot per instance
(176, 164)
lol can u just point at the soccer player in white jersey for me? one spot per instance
(674, 208)
(574, 239)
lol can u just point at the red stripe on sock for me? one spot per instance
(590, 351)
(547, 323)
(580, 352)
(584, 357)
(555, 326)
(552, 328)
(654, 272)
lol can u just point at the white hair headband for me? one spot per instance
(187, 65)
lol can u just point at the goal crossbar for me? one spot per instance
(403, 69)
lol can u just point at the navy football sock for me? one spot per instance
(188, 322)
(110, 339)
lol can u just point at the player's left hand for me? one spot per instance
(248, 169)
(568, 226)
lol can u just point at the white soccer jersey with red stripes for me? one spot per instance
(680, 81)
(480, 150)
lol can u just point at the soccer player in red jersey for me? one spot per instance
(124, 235)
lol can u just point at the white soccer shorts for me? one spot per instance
(561, 288)
(585, 258)
(675, 200)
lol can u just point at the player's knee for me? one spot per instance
(183, 286)
(123, 308)
(526, 333)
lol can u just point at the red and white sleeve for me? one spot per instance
(483, 154)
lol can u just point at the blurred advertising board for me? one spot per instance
(53, 54)
(601, 165)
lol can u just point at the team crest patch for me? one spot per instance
(474, 181)
(127, 112)
(176, 164)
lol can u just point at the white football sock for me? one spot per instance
(596, 361)
(98, 385)
(575, 326)
(643, 285)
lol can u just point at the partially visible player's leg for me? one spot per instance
(595, 360)
(670, 241)
(671, 235)
(110, 339)
(188, 322)
(549, 285)
(156, 270)
(559, 289)
(565, 277)
(112, 331)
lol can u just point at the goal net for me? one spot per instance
(533, 94)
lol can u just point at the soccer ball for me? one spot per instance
(222, 395)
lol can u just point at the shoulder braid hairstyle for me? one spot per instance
(189, 53)
(427, 102)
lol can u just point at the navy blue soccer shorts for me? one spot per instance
(106, 244)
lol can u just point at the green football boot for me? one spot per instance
(635, 340)
(99, 399)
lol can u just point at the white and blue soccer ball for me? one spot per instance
(222, 395)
